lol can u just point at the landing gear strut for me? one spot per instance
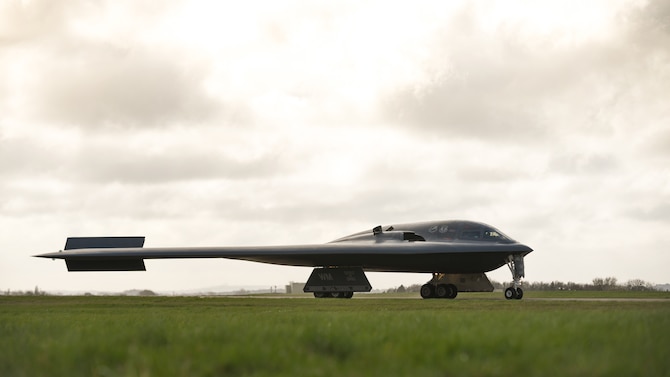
(515, 264)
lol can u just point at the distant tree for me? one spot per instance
(598, 284)
(610, 282)
(497, 284)
(639, 285)
(572, 286)
(401, 289)
(557, 285)
(38, 292)
(606, 284)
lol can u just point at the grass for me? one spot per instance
(474, 335)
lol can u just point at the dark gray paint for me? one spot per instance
(449, 247)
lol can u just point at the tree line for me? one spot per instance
(597, 284)
(38, 292)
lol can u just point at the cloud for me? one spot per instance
(507, 79)
(105, 86)
(22, 22)
(148, 157)
(655, 144)
(136, 166)
(91, 65)
(589, 164)
(659, 213)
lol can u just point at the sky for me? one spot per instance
(209, 123)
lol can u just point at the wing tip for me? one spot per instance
(57, 255)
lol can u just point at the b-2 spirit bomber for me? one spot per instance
(457, 254)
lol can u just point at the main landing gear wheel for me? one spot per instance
(333, 294)
(446, 291)
(453, 291)
(427, 291)
(442, 291)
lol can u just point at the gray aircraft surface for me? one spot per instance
(457, 253)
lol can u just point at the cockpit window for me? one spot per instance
(495, 236)
(471, 235)
(485, 234)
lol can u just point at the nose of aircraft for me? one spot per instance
(525, 248)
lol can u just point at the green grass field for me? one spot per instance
(370, 335)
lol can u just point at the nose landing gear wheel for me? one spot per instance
(510, 293)
(514, 293)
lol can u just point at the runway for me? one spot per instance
(465, 296)
(600, 299)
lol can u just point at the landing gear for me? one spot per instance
(433, 289)
(442, 291)
(446, 291)
(427, 291)
(512, 293)
(337, 282)
(334, 294)
(516, 267)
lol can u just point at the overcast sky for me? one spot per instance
(262, 123)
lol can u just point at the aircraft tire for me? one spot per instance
(427, 291)
(319, 294)
(348, 295)
(453, 291)
(510, 293)
(442, 291)
(519, 293)
(336, 294)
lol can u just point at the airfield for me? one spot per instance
(476, 334)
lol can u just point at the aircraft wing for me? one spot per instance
(127, 254)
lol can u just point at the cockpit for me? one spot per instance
(484, 234)
(454, 230)
(467, 231)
